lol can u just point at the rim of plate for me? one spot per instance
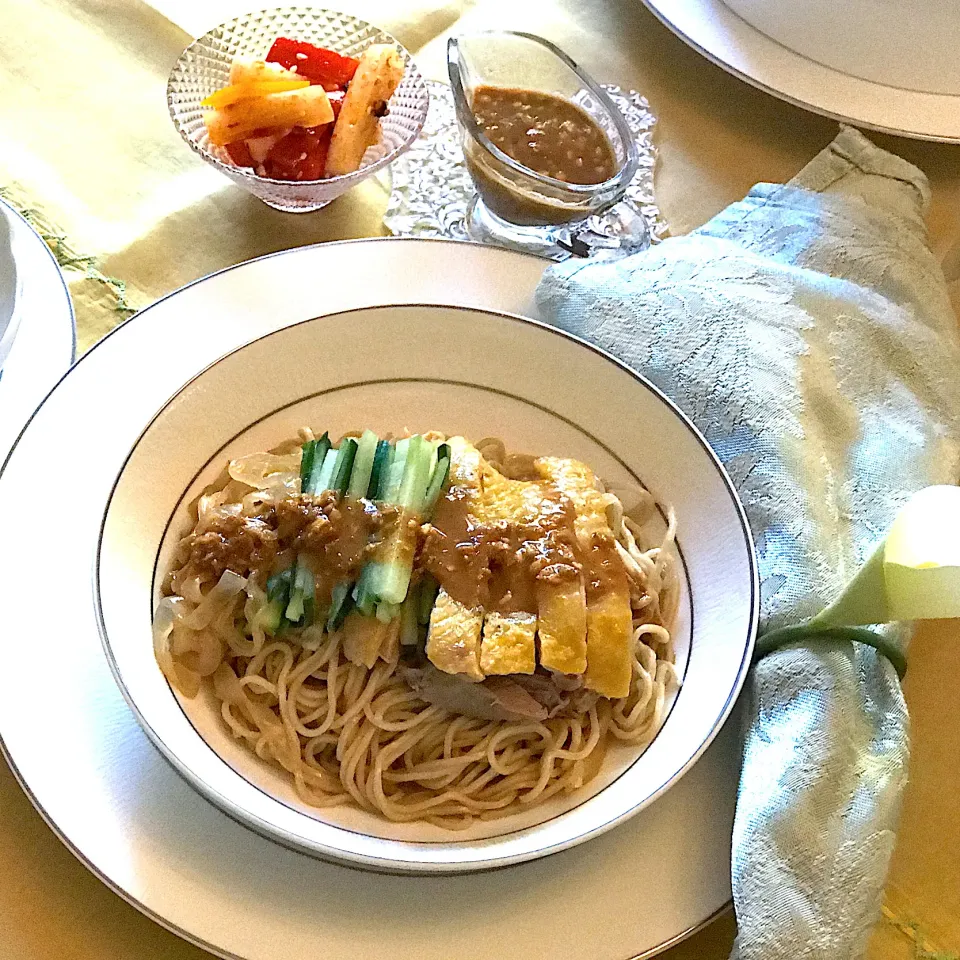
(209, 276)
(21, 221)
(396, 864)
(136, 901)
(720, 35)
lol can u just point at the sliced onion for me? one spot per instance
(223, 592)
(198, 650)
(267, 470)
(169, 614)
(188, 587)
(163, 619)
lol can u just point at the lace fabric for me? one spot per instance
(431, 187)
(807, 332)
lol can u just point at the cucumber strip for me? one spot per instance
(306, 464)
(385, 580)
(363, 464)
(392, 461)
(302, 592)
(325, 472)
(294, 610)
(394, 477)
(388, 611)
(363, 596)
(429, 588)
(341, 602)
(391, 575)
(416, 473)
(344, 464)
(278, 595)
(404, 483)
(409, 625)
(393, 570)
(381, 461)
(437, 482)
(270, 615)
(279, 584)
(317, 460)
(308, 588)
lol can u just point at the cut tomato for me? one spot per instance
(239, 153)
(315, 64)
(300, 155)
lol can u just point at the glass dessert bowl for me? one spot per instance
(546, 147)
(205, 67)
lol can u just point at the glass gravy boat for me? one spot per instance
(516, 206)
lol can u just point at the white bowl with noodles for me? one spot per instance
(458, 371)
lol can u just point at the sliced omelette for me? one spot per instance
(456, 623)
(609, 619)
(453, 637)
(530, 575)
(509, 644)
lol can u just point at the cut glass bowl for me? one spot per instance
(205, 67)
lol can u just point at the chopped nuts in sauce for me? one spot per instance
(545, 133)
(336, 534)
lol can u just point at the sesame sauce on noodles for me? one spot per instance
(377, 737)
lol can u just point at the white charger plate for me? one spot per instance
(392, 368)
(879, 65)
(46, 342)
(123, 811)
(9, 285)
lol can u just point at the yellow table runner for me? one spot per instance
(89, 149)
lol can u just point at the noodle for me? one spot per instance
(352, 735)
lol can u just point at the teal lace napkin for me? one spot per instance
(807, 331)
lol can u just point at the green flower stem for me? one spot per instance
(811, 631)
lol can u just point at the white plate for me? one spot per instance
(9, 284)
(395, 367)
(123, 811)
(46, 341)
(879, 65)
